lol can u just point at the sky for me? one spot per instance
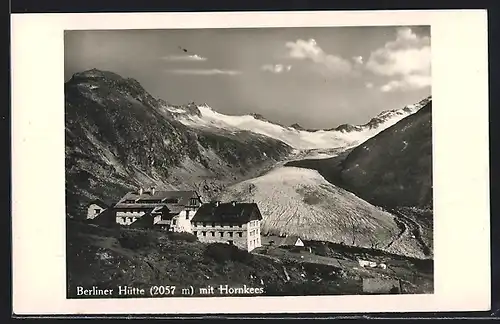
(317, 77)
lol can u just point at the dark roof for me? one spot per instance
(106, 217)
(145, 221)
(101, 203)
(228, 212)
(136, 206)
(289, 240)
(183, 196)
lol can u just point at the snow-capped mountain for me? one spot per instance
(343, 136)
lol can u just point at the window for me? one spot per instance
(174, 222)
(204, 233)
(213, 233)
(97, 211)
(187, 214)
(195, 233)
(193, 201)
(221, 234)
(240, 234)
(241, 225)
(204, 224)
(230, 234)
(230, 225)
(230, 242)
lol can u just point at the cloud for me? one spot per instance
(309, 50)
(408, 83)
(204, 72)
(184, 58)
(369, 85)
(407, 60)
(276, 68)
(358, 59)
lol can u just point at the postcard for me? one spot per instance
(237, 163)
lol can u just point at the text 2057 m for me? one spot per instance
(162, 290)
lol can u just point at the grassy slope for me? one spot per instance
(108, 257)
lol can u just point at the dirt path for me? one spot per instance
(414, 228)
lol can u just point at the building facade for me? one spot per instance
(95, 208)
(233, 223)
(167, 210)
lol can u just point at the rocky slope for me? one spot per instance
(119, 137)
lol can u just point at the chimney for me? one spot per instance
(141, 191)
(217, 203)
(152, 191)
(233, 203)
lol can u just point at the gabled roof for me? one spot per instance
(227, 212)
(290, 240)
(183, 196)
(101, 203)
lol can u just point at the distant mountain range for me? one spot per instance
(296, 136)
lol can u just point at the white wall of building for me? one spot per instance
(128, 217)
(253, 235)
(183, 221)
(94, 210)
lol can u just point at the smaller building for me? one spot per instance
(292, 241)
(96, 207)
(233, 223)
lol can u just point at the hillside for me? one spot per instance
(297, 201)
(119, 137)
(392, 169)
(109, 257)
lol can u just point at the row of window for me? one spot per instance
(254, 232)
(221, 234)
(205, 224)
(255, 243)
(254, 223)
(132, 211)
(192, 201)
(127, 220)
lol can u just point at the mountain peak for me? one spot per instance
(97, 74)
(297, 126)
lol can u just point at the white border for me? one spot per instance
(461, 169)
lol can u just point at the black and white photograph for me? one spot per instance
(247, 162)
(250, 163)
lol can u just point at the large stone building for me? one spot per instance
(169, 210)
(233, 223)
